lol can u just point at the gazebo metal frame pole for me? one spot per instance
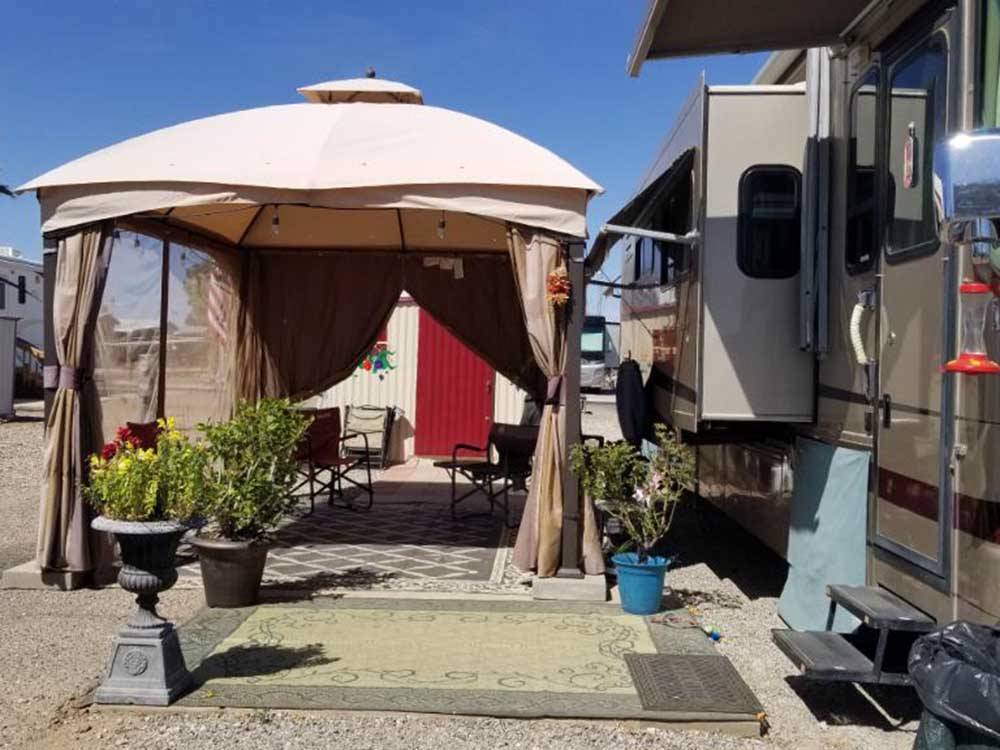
(50, 249)
(569, 564)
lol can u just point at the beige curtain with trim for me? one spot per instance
(535, 255)
(72, 432)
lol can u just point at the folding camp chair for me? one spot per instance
(514, 446)
(375, 424)
(322, 450)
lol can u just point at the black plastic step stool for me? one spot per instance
(827, 656)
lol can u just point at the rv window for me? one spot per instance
(862, 240)
(673, 214)
(22, 290)
(917, 117)
(647, 260)
(770, 208)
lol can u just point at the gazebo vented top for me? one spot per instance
(371, 89)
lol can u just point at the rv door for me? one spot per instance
(912, 495)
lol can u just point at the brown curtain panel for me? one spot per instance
(477, 301)
(307, 318)
(534, 256)
(72, 432)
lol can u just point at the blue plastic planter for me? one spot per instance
(640, 585)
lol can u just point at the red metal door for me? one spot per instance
(454, 392)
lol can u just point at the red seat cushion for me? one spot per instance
(147, 433)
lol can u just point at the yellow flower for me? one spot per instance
(123, 464)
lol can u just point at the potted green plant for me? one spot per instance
(642, 496)
(250, 478)
(148, 498)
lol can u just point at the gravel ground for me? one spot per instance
(53, 645)
(20, 468)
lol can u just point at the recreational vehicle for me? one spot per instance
(21, 294)
(810, 279)
(598, 354)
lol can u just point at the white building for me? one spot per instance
(21, 294)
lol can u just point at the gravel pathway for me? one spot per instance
(53, 645)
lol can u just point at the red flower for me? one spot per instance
(108, 451)
(125, 435)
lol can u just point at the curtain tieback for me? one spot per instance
(553, 389)
(61, 377)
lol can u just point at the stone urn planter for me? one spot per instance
(146, 666)
(231, 570)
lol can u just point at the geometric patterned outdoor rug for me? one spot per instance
(485, 657)
(392, 541)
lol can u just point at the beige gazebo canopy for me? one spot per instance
(311, 219)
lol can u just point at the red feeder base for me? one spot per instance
(973, 364)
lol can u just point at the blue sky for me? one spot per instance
(77, 76)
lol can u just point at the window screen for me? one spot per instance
(22, 290)
(769, 225)
(862, 241)
(917, 118)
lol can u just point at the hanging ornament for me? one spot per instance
(557, 287)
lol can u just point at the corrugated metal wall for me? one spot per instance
(8, 338)
(508, 401)
(397, 388)
(454, 392)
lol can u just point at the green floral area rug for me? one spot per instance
(489, 657)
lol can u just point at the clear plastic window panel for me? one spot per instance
(200, 308)
(127, 337)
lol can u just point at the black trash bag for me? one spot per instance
(938, 734)
(630, 398)
(956, 671)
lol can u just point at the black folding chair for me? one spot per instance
(514, 446)
(322, 450)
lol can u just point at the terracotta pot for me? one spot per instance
(231, 571)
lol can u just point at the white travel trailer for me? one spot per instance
(894, 508)
(21, 294)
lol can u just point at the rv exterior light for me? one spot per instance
(441, 227)
(275, 223)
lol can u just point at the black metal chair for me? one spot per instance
(322, 450)
(514, 446)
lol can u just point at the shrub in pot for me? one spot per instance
(148, 499)
(642, 496)
(250, 480)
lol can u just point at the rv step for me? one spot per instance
(829, 657)
(880, 609)
(823, 655)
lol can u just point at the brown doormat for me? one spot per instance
(690, 682)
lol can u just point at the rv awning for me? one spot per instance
(631, 211)
(675, 28)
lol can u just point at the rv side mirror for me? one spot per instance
(967, 186)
